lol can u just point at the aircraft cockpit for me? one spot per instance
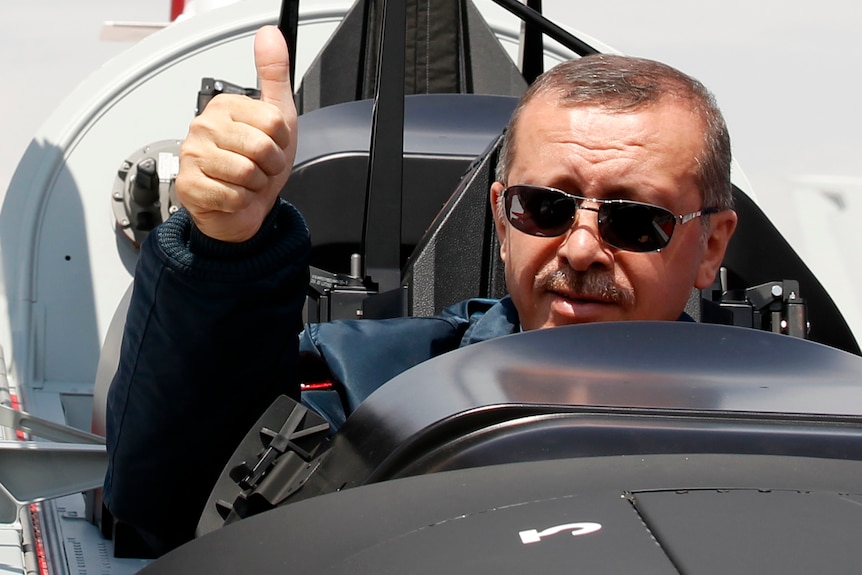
(557, 450)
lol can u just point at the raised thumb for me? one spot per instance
(273, 67)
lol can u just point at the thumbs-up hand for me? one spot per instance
(239, 151)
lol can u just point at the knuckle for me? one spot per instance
(246, 172)
(271, 118)
(267, 156)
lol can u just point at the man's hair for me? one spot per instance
(627, 84)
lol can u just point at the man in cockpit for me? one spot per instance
(612, 201)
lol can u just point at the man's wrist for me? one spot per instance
(208, 247)
(282, 240)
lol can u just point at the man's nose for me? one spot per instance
(582, 246)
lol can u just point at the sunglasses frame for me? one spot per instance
(579, 205)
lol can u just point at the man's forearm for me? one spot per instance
(210, 340)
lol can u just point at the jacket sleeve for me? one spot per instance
(210, 340)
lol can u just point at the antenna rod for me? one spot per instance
(381, 233)
(288, 23)
(532, 46)
(530, 16)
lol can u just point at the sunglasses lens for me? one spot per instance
(538, 211)
(636, 227)
(625, 225)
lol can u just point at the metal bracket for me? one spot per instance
(32, 471)
(773, 306)
(32, 425)
(273, 461)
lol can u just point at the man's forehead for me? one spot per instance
(671, 119)
(653, 148)
(557, 100)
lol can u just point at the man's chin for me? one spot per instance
(563, 311)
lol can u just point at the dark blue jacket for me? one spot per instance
(361, 355)
(211, 339)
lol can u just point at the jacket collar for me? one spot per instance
(500, 319)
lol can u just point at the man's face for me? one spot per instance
(648, 156)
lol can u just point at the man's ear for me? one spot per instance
(500, 223)
(721, 227)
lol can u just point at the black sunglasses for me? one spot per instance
(623, 224)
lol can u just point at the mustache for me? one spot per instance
(585, 285)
